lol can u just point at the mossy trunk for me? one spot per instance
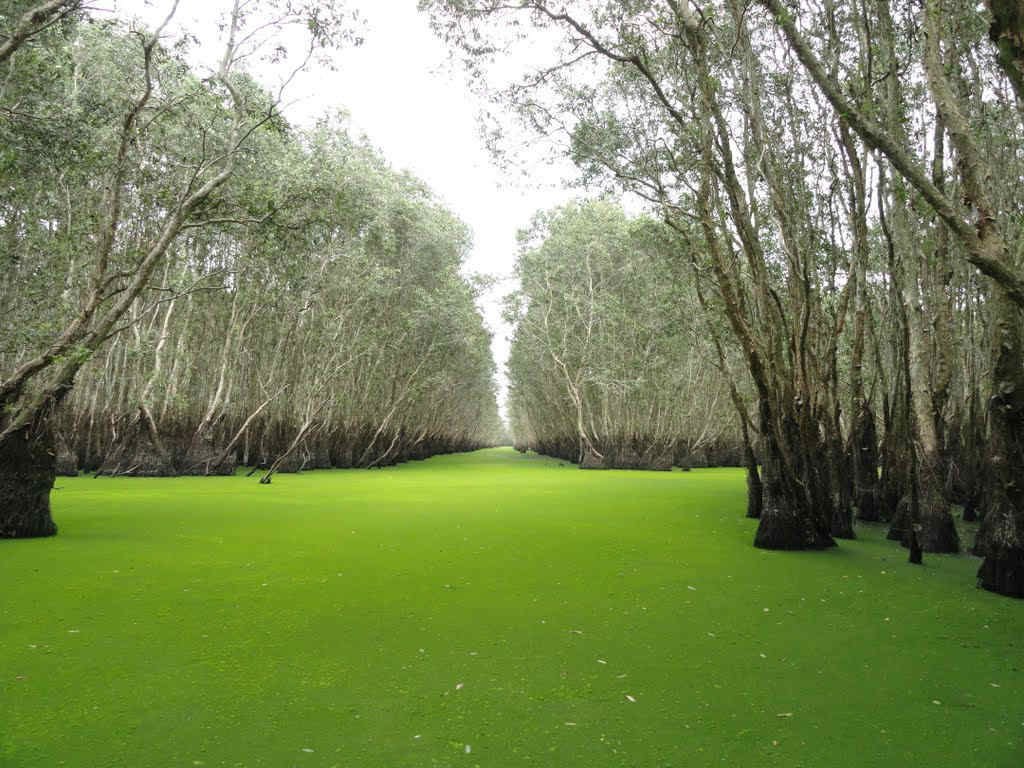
(755, 488)
(833, 491)
(786, 521)
(790, 518)
(893, 480)
(755, 491)
(1002, 569)
(937, 531)
(27, 472)
(1001, 540)
(899, 527)
(865, 465)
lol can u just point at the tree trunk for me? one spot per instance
(841, 525)
(788, 519)
(865, 464)
(1001, 540)
(755, 488)
(27, 472)
(938, 529)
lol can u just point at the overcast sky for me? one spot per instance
(414, 105)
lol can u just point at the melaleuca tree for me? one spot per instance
(608, 366)
(332, 328)
(115, 190)
(826, 205)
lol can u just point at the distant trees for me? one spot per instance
(610, 364)
(338, 332)
(186, 278)
(848, 180)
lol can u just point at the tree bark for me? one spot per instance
(865, 464)
(789, 519)
(27, 472)
(1001, 540)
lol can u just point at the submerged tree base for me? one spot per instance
(1001, 544)
(842, 523)
(938, 533)
(755, 493)
(779, 529)
(1002, 571)
(27, 472)
(625, 456)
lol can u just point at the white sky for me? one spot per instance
(415, 106)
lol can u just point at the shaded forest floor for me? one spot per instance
(487, 609)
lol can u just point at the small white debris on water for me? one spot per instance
(602, 661)
(468, 749)
(458, 686)
(306, 749)
(692, 589)
(570, 723)
(936, 701)
(418, 736)
(630, 698)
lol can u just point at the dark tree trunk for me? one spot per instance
(27, 472)
(893, 480)
(789, 519)
(833, 491)
(755, 489)
(967, 473)
(914, 545)
(937, 532)
(755, 492)
(899, 527)
(865, 465)
(970, 513)
(1002, 570)
(786, 521)
(1001, 539)
(842, 523)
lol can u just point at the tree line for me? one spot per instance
(844, 183)
(189, 281)
(609, 361)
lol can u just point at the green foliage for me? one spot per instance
(317, 271)
(608, 329)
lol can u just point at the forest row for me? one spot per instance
(840, 254)
(188, 281)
